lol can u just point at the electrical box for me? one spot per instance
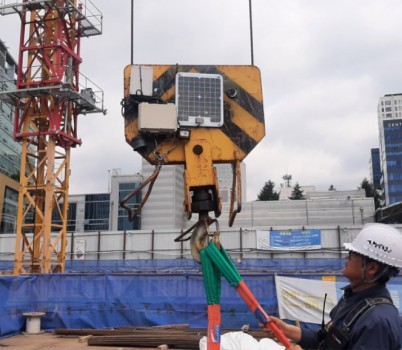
(88, 99)
(157, 118)
(141, 80)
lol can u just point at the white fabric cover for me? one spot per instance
(243, 341)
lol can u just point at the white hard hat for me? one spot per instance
(379, 242)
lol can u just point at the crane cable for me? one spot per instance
(251, 31)
(151, 180)
(132, 32)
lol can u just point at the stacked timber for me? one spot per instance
(173, 336)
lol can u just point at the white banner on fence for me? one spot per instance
(303, 299)
(263, 242)
(79, 248)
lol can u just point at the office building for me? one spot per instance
(8, 204)
(121, 187)
(101, 211)
(10, 151)
(164, 208)
(225, 178)
(390, 150)
(87, 213)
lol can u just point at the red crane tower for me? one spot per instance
(50, 93)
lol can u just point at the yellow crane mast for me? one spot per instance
(50, 93)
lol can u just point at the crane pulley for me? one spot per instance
(198, 116)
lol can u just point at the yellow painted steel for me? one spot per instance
(199, 171)
(40, 242)
(44, 179)
(242, 129)
(223, 148)
(48, 99)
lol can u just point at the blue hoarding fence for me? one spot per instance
(154, 292)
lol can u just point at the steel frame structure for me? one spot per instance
(48, 100)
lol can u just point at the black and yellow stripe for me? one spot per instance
(244, 124)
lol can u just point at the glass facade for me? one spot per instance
(123, 222)
(393, 165)
(97, 209)
(10, 151)
(71, 217)
(9, 212)
(376, 168)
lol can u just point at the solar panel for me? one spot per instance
(199, 99)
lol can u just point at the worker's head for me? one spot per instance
(375, 255)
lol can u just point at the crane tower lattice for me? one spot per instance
(50, 93)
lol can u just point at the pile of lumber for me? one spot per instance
(164, 337)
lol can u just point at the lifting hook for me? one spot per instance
(200, 234)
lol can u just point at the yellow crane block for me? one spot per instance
(220, 121)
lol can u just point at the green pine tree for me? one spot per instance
(367, 186)
(370, 191)
(267, 193)
(297, 192)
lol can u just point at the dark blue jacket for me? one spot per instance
(379, 328)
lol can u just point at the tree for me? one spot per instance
(267, 193)
(288, 179)
(331, 188)
(367, 186)
(297, 192)
(370, 191)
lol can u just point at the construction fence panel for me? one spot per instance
(241, 243)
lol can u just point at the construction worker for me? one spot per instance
(365, 317)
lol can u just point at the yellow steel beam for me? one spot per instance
(41, 242)
(46, 123)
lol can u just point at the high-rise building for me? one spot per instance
(10, 151)
(87, 213)
(8, 204)
(390, 151)
(164, 207)
(225, 178)
(101, 211)
(122, 186)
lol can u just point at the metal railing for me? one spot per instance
(90, 95)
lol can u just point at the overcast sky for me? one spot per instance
(324, 65)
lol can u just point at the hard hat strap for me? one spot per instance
(385, 271)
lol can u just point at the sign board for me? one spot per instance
(289, 240)
(79, 248)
